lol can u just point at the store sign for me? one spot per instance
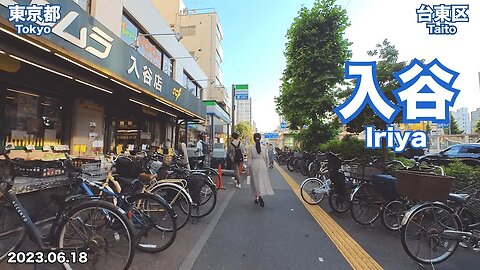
(177, 92)
(241, 92)
(84, 38)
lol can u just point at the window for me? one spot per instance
(453, 150)
(32, 119)
(85, 5)
(189, 83)
(187, 30)
(470, 150)
(131, 33)
(167, 65)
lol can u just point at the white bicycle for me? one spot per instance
(314, 189)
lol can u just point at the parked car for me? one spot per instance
(469, 153)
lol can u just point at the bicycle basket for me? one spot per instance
(473, 206)
(97, 171)
(363, 172)
(423, 186)
(128, 168)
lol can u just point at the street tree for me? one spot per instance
(477, 127)
(315, 53)
(245, 131)
(428, 128)
(387, 64)
(453, 127)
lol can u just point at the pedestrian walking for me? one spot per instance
(183, 152)
(257, 162)
(235, 154)
(271, 155)
(200, 151)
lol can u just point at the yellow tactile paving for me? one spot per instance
(355, 255)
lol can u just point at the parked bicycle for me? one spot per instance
(87, 233)
(154, 223)
(432, 231)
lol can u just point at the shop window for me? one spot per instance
(32, 119)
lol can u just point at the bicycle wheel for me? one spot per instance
(12, 231)
(304, 168)
(422, 234)
(339, 203)
(365, 206)
(207, 201)
(154, 223)
(313, 169)
(392, 215)
(103, 231)
(313, 190)
(291, 164)
(177, 200)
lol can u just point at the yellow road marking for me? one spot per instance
(355, 255)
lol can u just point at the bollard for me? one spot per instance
(219, 180)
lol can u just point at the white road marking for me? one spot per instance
(320, 259)
(193, 255)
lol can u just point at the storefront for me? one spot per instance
(218, 119)
(83, 90)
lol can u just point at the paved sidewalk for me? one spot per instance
(282, 235)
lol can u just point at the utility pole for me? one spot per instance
(233, 108)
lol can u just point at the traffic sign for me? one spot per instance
(283, 125)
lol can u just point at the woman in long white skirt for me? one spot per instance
(257, 164)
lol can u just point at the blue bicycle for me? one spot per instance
(153, 219)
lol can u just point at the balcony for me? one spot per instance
(220, 94)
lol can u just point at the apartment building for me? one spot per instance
(475, 117)
(243, 111)
(202, 34)
(463, 119)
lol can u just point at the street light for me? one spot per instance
(178, 36)
(185, 57)
(203, 80)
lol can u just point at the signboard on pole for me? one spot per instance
(270, 135)
(241, 92)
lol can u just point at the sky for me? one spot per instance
(254, 41)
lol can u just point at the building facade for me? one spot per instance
(463, 119)
(243, 111)
(475, 117)
(108, 78)
(202, 34)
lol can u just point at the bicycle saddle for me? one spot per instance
(458, 198)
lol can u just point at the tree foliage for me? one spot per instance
(476, 128)
(387, 64)
(453, 127)
(315, 53)
(245, 131)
